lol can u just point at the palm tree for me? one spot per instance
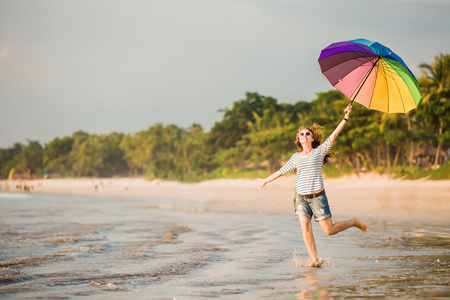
(435, 85)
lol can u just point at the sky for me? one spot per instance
(123, 66)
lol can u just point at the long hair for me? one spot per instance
(316, 132)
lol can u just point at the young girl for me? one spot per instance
(311, 198)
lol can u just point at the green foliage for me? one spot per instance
(335, 171)
(416, 172)
(235, 173)
(442, 173)
(236, 121)
(113, 159)
(56, 156)
(435, 106)
(254, 138)
(8, 158)
(29, 160)
(88, 159)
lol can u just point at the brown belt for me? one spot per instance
(314, 195)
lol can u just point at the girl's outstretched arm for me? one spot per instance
(341, 125)
(262, 182)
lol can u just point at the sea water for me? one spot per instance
(104, 247)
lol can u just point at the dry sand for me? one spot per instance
(370, 196)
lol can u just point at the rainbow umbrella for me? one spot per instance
(370, 74)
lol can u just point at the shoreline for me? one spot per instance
(368, 196)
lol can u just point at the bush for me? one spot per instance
(236, 173)
(335, 171)
(416, 172)
(443, 172)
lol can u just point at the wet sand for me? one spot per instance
(134, 239)
(55, 246)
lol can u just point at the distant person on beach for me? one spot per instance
(311, 198)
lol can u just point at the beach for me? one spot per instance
(369, 195)
(137, 239)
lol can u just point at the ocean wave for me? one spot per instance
(14, 196)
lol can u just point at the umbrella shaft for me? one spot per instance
(368, 74)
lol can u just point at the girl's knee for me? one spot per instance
(307, 229)
(328, 231)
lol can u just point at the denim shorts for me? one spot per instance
(317, 206)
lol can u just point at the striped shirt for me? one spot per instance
(309, 169)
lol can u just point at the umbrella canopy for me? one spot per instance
(370, 74)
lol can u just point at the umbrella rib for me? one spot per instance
(367, 55)
(387, 88)
(382, 71)
(390, 72)
(359, 49)
(367, 76)
(360, 52)
(348, 69)
(398, 88)
(364, 57)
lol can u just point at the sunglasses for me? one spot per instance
(305, 133)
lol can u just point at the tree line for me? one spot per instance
(256, 133)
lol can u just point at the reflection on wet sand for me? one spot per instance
(312, 288)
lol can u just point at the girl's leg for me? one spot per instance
(308, 237)
(329, 228)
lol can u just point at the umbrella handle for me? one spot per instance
(367, 76)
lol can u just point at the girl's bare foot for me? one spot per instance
(359, 224)
(317, 263)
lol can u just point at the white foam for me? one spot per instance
(14, 196)
(299, 261)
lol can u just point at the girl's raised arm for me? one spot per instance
(341, 125)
